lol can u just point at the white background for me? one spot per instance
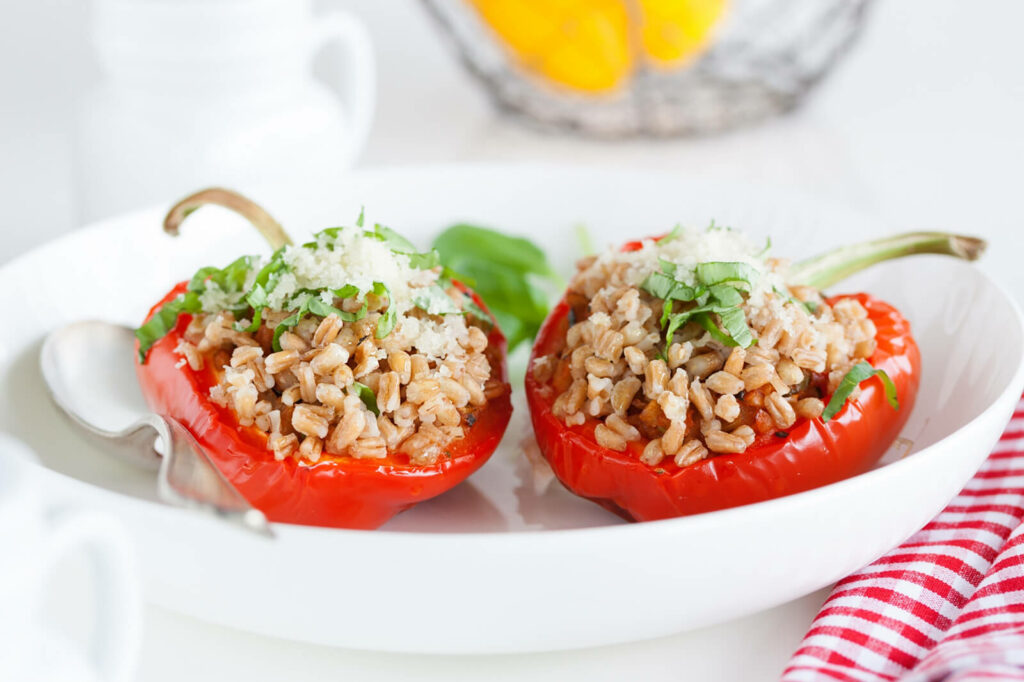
(920, 127)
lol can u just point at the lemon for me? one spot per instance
(675, 31)
(593, 45)
(583, 44)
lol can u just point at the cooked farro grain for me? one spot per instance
(809, 408)
(720, 441)
(609, 439)
(695, 395)
(652, 453)
(692, 451)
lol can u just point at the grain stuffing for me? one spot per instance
(353, 344)
(694, 345)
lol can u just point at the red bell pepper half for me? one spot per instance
(812, 453)
(337, 490)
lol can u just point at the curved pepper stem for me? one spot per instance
(247, 208)
(825, 270)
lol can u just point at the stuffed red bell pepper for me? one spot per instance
(692, 373)
(335, 383)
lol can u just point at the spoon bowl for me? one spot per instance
(76, 362)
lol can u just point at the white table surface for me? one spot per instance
(920, 127)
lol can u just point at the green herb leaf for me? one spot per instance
(164, 320)
(659, 285)
(676, 231)
(705, 320)
(257, 300)
(507, 272)
(719, 272)
(735, 323)
(424, 261)
(394, 241)
(390, 317)
(435, 301)
(666, 313)
(318, 306)
(367, 396)
(470, 307)
(198, 281)
(674, 323)
(720, 298)
(287, 323)
(469, 241)
(329, 235)
(347, 291)
(725, 295)
(270, 273)
(662, 285)
(862, 371)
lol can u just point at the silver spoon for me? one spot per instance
(86, 361)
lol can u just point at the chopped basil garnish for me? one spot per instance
(862, 371)
(735, 323)
(164, 320)
(390, 317)
(435, 301)
(367, 396)
(257, 300)
(312, 303)
(285, 324)
(736, 274)
(717, 291)
(726, 295)
(469, 306)
(395, 241)
(676, 231)
(664, 286)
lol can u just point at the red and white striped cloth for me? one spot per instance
(948, 604)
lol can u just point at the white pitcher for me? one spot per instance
(37, 533)
(218, 92)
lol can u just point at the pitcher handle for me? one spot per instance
(358, 82)
(117, 634)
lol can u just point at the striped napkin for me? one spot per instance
(948, 604)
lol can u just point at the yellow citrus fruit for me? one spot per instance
(583, 44)
(675, 31)
(593, 45)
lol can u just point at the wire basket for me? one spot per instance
(766, 56)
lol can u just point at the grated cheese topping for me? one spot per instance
(350, 258)
(358, 262)
(436, 340)
(214, 299)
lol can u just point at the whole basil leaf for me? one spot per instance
(506, 272)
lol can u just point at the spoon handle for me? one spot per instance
(188, 478)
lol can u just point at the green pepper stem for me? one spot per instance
(825, 270)
(247, 208)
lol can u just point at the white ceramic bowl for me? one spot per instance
(495, 566)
